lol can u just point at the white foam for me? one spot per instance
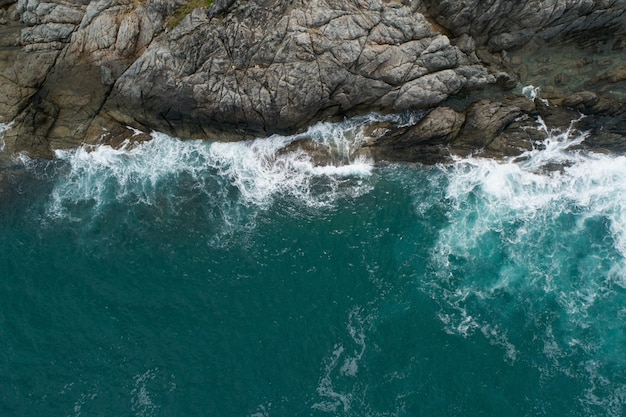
(595, 183)
(3, 128)
(263, 410)
(507, 217)
(99, 174)
(259, 170)
(603, 394)
(142, 402)
(80, 403)
(332, 400)
(344, 139)
(136, 132)
(531, 91)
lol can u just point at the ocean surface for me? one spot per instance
(188, 278)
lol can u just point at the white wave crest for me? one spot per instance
(260, 172)
(542, 182)
(532, 93)
(532, 257)
(549, 226)
(256, 171)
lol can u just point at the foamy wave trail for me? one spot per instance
(231, 177)
(339, 386)
(537, 246)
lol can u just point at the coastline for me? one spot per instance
(81, 74)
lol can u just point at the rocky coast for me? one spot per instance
(321, 208)
(77, 71)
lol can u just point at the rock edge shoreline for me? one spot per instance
(77, 72)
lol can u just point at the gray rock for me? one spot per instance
(74, 51)
(484, 120)
(321, 58)
(51, 32)
(254, 67)
(14, 15)
(466, 43)
(425, 142)
(508, 40)
(583, 100)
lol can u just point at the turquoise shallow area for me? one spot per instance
(153, 283)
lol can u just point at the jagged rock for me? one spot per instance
(483, 121)
(249, 67)
(488, 128)
(74, 51)
(321, 58)
(37, 122)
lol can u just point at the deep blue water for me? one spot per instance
(190, 278)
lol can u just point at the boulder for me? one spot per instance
(484, 120)
(321, 58)
(427, 141)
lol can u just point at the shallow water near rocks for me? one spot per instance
(586, 64)
(176, 278)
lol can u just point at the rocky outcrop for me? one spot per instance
(503, 25)
(490, 127)
(72, 53)
(321, 58)
(500, 129)
(76, 71)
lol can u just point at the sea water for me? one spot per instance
(189, 278)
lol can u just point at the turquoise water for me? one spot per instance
(189, 278)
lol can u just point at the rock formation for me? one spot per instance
(76, 71)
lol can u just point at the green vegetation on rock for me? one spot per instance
(183, 11)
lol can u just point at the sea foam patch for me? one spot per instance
(535, 245)
(341, 368)
(247, 173)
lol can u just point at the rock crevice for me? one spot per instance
(80, 71)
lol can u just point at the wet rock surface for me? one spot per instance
(499, 129)
(79, 71)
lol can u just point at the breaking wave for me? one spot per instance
(536, 245)
(229, 176)
(526, 255)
